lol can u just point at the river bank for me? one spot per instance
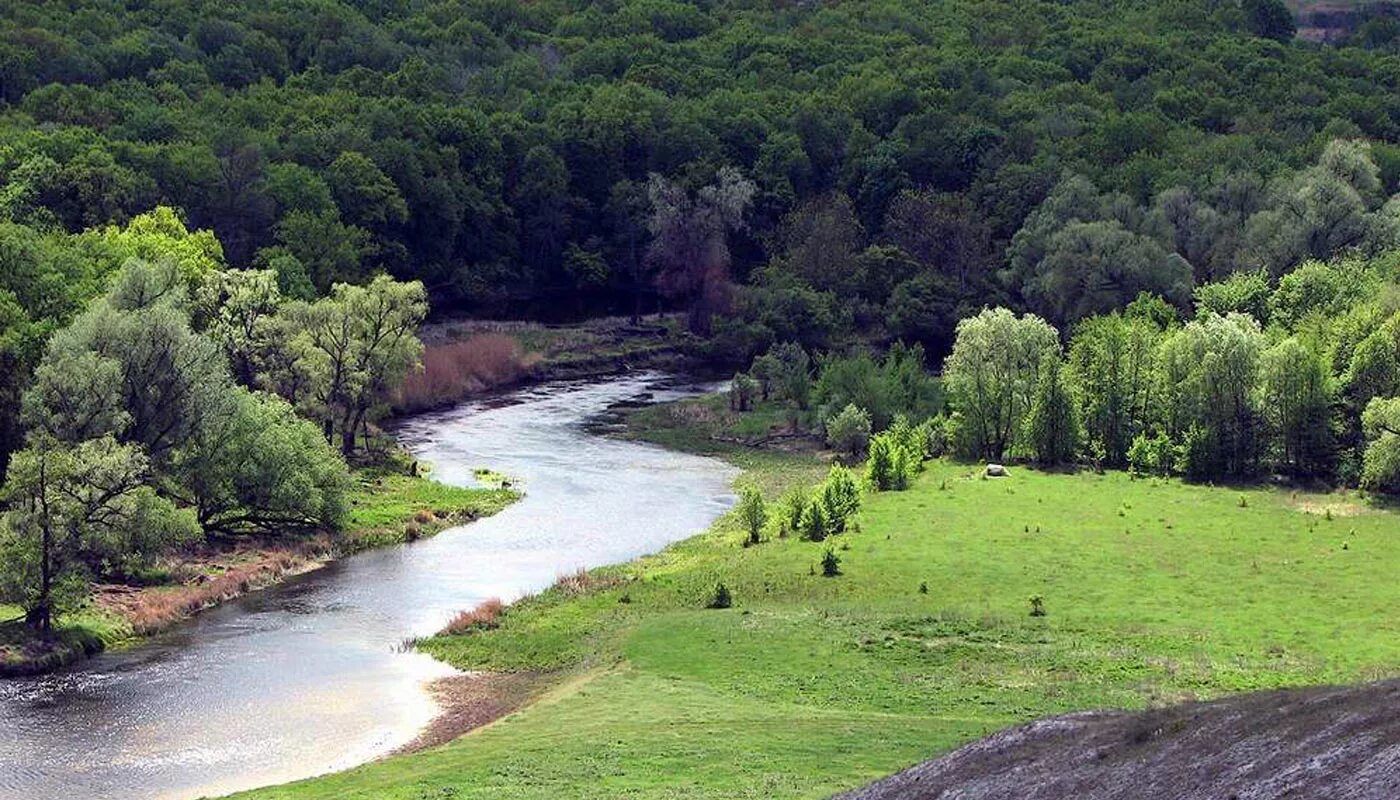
(387, 507)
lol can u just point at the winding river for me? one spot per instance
(308, 677)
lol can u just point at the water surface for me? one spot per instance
(307, 677)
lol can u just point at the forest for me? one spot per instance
(197, 199)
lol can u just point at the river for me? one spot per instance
(309, 676)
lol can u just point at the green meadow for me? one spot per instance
(1153, 592)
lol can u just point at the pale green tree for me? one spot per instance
(1207, 378)
(354, 347)
(991, 376)
(257, 466)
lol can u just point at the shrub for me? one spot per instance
(814, 525)
(1151, 455)
(1037, 606)
(742, 391)
(753, 514)
(831, 564)
(849, 430)
(839, 497)
(895, 456)
(879, 465)
(722, 598)
(790, 514)
(935, 431)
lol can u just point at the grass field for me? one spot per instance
(1154, 592)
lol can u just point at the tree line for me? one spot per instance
(1297, 378)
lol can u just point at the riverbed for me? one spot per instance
(311, 676)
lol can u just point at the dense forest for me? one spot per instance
(269, 195)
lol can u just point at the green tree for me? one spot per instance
(1381, 466)
(991, 377)
(354, 347)
(1270, 19)
(73, 506)
(753, 514)
(1298, 394)
(1207, 380)
(1052, 433)
(365, 195)
(849, 430)
(257, 466)
(1112, 373)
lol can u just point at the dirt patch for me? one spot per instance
(1323, 507)
(471, 701)
(1325, 742)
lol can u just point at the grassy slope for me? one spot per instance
(1155, 592)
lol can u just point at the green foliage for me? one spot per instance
(743, 390)
(849, 430)
(1381, 468)
(814, 524)
(351, 349)
(753, 514)
(1112, 371)
(1152, 455)
(1298, 395)
(991, 377)
(74, 508)
(721, 599)
(792, 510)
(1243, 293)
(1052, 433)
(839, 497)
(785, 373)
(1209, 371)
(831, 564)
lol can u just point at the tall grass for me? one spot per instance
(487, 614)
(454, 370)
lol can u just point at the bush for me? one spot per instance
(1151, 455)
(722, 598)
(753, 514)
(849, 431)
(742, 391)
(935, 432)
(895, 456)
(814, 525)
(790, 513)
(831, 564)
(839, 497)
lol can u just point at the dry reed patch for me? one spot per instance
(582, 582)
(485, 616)
(151, 609)
(454, 370)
